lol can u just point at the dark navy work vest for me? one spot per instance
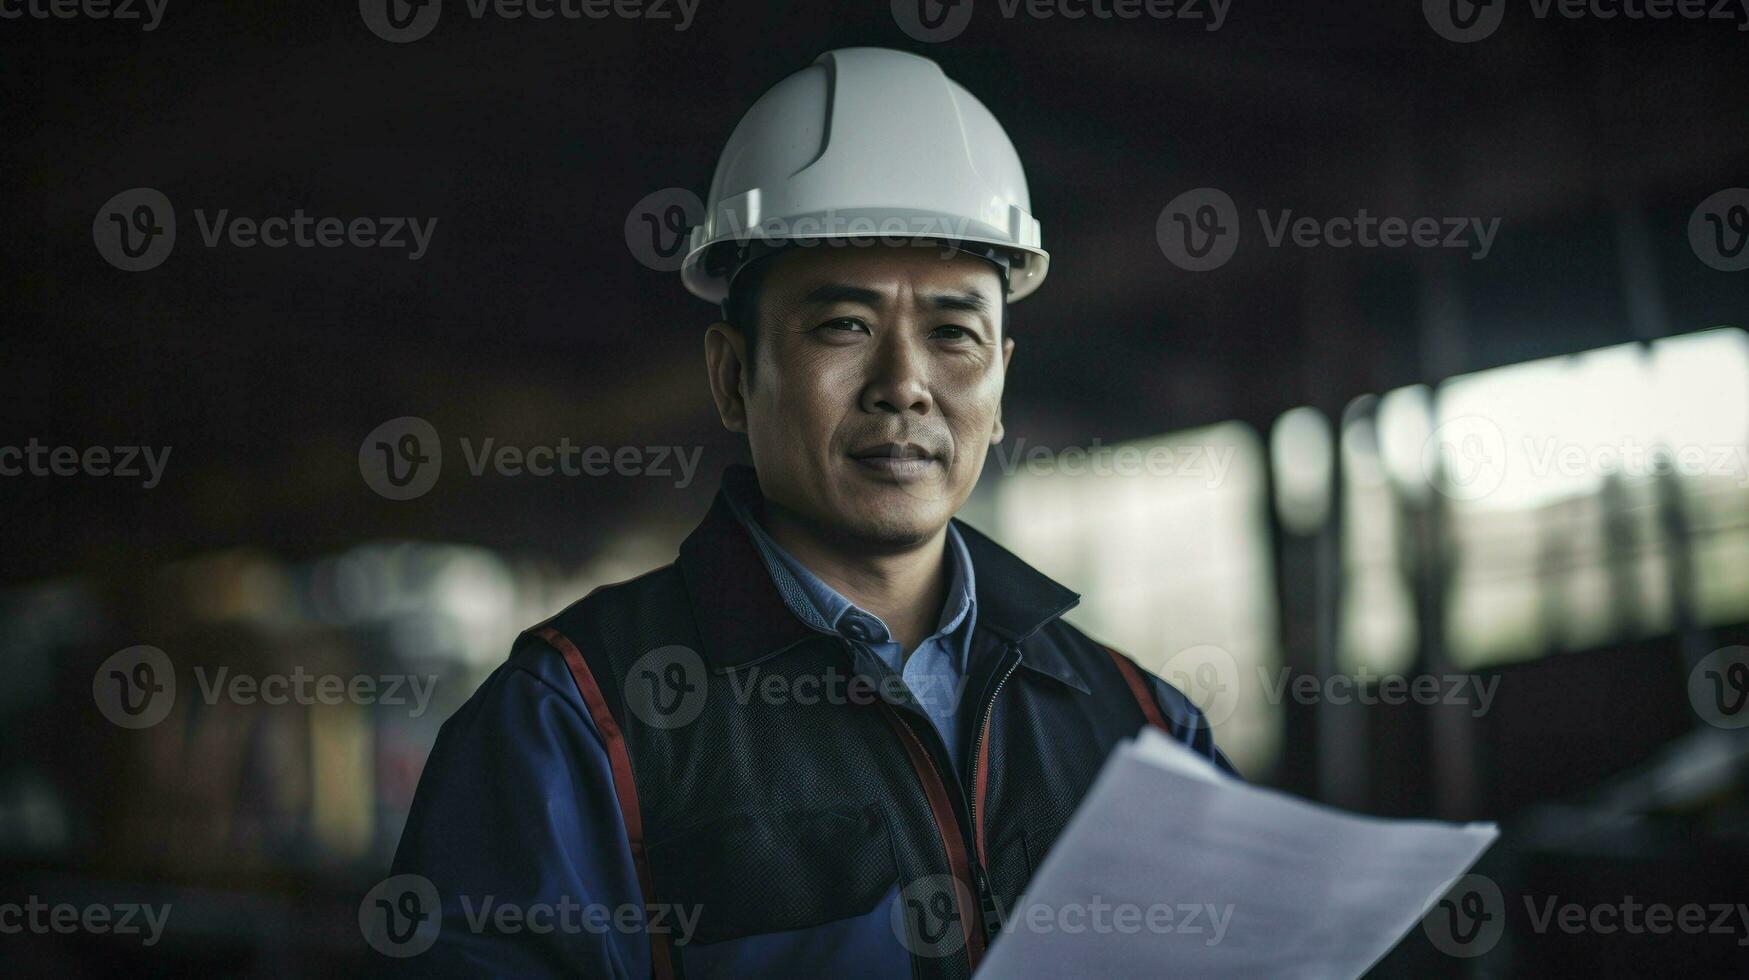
(774, 778)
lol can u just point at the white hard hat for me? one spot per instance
(866, 143)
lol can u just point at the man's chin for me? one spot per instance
(898, 526)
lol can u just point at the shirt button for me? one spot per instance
(857, 629)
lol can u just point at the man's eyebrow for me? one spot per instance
(842, 292)
(971, 301)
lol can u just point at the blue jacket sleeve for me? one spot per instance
(516, 822)
(1189, 725)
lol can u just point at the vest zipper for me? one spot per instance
(992, 913)
(989, 913)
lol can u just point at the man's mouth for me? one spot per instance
(896, 460)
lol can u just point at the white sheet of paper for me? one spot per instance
(1172, 868)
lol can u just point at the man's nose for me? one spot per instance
(899, 378)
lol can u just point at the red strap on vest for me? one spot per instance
(624, 786)
(971, 919)
(1132, 676)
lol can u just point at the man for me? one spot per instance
(838, 734)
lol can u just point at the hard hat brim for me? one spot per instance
(706, 274)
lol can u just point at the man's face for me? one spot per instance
(878, 388)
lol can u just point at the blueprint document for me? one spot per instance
(1172, 869)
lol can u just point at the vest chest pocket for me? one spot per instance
(765, 871)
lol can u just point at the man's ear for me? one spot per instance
(725, 360)
(1007, 355)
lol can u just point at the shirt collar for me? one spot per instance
(824, 608)
(742, 619)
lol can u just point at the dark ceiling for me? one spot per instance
(530, 320)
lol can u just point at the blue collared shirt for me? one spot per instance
(934, 672)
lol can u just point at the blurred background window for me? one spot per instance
(1562, 477)
(1167, 541)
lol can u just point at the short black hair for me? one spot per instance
(741, 306)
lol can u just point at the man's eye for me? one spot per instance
(846, 323)
(951, 331)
